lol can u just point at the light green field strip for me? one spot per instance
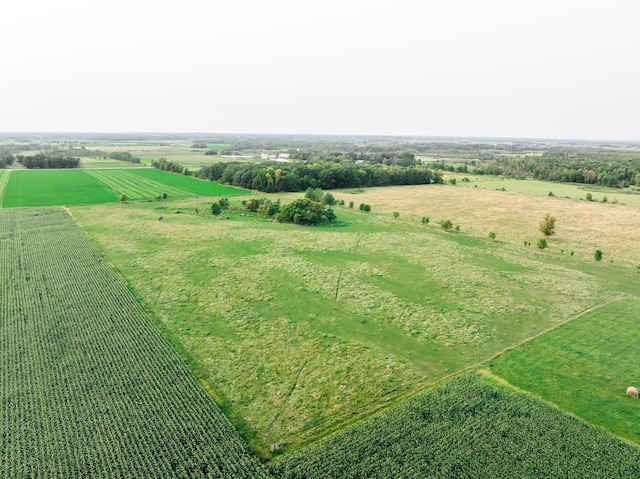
(134, 186)
(4, 179)
(585, 367)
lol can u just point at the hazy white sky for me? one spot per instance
(559, 69)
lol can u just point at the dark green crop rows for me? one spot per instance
(88, 386)
(469, 427)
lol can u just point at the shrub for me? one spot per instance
(314, 194)
(328, 199)
(598, 255)
(492, 235)
(446, 224)
(542, 243)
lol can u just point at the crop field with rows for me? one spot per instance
(470, 426)
(74, 187)
(88, 385)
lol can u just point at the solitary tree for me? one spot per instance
(548, 225)
(492, 235)
(542, 243)
(598, 255)
(216, 208)
(395, 215)
(123, 197)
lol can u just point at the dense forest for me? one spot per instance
(41, 160)
(620, 171)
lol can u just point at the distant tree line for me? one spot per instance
(164, 165)
(389, 158)
(611, 172)
(6, 159)
(272, 177)
(41, 160)
(124, 156)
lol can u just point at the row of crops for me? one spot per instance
(88, 385)
(469, 427)
(20, 188)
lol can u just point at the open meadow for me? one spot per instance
(627, 196)
(298, 330)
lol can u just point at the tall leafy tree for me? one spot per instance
(548, 225)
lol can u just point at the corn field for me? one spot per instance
(469, 427)
(88, 385)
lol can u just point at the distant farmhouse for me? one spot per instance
(278, 157)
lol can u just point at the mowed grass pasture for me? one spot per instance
(298, 330)
(585, 367)
(21, 188)
(628, 196)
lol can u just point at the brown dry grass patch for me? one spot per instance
(582, 226)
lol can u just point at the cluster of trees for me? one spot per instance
(41, 160)
(389, 158)
(164, 165)
(614, 172)
(6, 159)
(305, 212)
(124, 156)
(273, 177)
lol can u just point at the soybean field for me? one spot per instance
(470, 426)
(88, 385)
(21, 188)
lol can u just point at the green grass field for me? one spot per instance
(585, 367)
(543, 188)
(316, 326)
(72, 187)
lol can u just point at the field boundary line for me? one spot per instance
(4, 180)
(590, 309)
(477, 366)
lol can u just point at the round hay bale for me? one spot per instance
(632, 391)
